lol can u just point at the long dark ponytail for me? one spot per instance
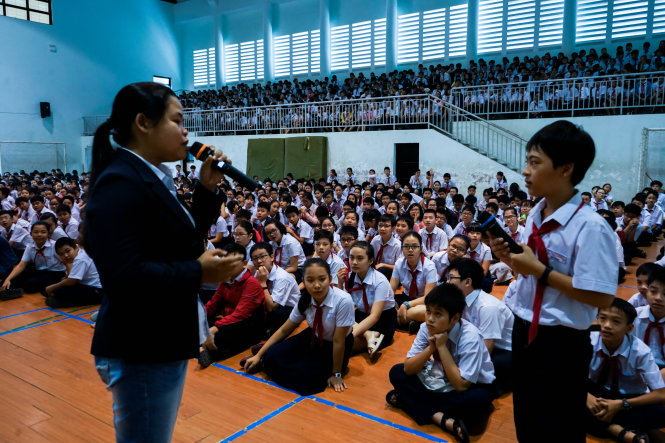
(147, 98)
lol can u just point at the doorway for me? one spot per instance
(407, 156)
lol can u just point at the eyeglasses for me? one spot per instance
(457, 248)
(272, 231)
(452, 277)
(347, 239)
(410, 247)
(239, 234)
(260, 257)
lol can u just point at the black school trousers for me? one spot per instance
(72, 296)
(234, 338)
(550, 383)
(33, 281)
(386, 324)
(473, 406)
(302, 364)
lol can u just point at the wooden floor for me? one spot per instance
(50, 391)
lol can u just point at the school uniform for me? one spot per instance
(88, 290)
(35, 215)
(287, 248)
(387, 253)
(71, 229)
(460, 228)
(304, 362)
(448, 230)
(653, 216)
(480, 253)
(284, 290)
(58, 233)
(7, 203)
(638, 300)
(597, 206)
(425, 273)
(645, 322)
(423, 394)
(305, 231)
(442, 263)
(44, 268)
(374, 287)
(550, 370)
(241, 302)
(434, 241)
(219, 226)
(629, 372)
(518, 235)
(27, 214)
(19, 239)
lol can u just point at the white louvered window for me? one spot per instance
(300, 53)
(231, 63)
(315, 51)
(358, 45)
(379, 42)
(591, 20)
(339, 47)
(361, 44)
(259, 59)
(520, 30)
(408, 38)
(629, 18)
(550, 31)
(204, 67)
(457, 30)
(434, 34)
(490, 26)
(282, 54)
(658, 16)
(251, 61)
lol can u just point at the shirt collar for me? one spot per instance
(369, 278)
(455, 332)
(623, 349)
(562, 215)
(326, 301)
(652, 318)
(162, 171)
(472, 297)
(242, 276)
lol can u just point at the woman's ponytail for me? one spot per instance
(102, 150)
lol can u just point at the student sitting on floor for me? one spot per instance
(280, 289)
(650, 321)
(323, 242)
(447, 373)
(66, 223)
(288, 252)
(82, 286)
(434, 238)
(457, 248)
(235, 313)
(55, 231)
(39, 267)
(490, 315)
(388, 249)
(318, 356)
(642, 277)
(348, 235)
(626, 390)
(17, 237)
(300, 230)
(481, 253)
(376, 317)
(7, 261)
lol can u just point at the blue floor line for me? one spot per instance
(262, 420)
(629, 287)
(75, 317)
(33, 326)
(253, 377)
(21, 313)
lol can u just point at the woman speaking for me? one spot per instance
(149, 251)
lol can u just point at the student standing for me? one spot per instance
(568, 271)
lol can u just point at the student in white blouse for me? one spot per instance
(288, 252)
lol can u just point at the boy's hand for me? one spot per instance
(341, 274)
(401, 314)
(500, 249)
(251, 362)
(610, 408)
(6, 284)
(49, 290)
(526, 263)
(593, 404)
(441, 339)
(262, 274)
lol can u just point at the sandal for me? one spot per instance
(639, 437)
(374, 344)
(393, 400)
(458, 429)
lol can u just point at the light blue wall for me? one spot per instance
(100, 46)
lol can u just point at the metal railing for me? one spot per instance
(602, 95)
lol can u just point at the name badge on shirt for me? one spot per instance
(557, 256)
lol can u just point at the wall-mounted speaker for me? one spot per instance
(45, 109)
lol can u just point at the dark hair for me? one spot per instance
(372, 214)
(40, 223)
(625, 307)
(350, 230)
(291, 210)
(609, 217)
(261, 245)
(564, 142)
(474, 227)
(63, 208)
(369, 249)
(235, 248)
(470, 209)
(415, 235)
(243, 214)
(645, 269)
(420, 210)
(64, 241)
(469, 268)
(632, 208)
(448, 297)
(466, 239)
(48, 216)
(323, 234)
(657, 274)
(37, 198)
(7, 212)
(264, 205)
(640, 197)
(247, 226)
(147, 98)
(305, 296)
(389, 219)
(618, 204)
(510, 208)
(280, 227)
(406, 219)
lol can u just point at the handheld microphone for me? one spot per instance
(489, 223)
(202, 152)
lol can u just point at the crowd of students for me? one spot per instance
(357, 261)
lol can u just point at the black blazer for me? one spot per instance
(145, 249)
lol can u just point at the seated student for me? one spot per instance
(244, 236)
(323, 242)
(66, 223)
(376, 317)
(261, 216)
(318, 356)
(626, 391)
(245, 215)
(466, 218)
(289, 254)
(370, 220)
(7, 261)
(434, 238)
(388, 248)
(351, 218)
(300, 230)
(280, 289)
(652, 215)
(442, 221)
(447, 373)
(348, 235)
(650, 321)
(417, 275)
(236, 314)
(403, 225)
(481, 253)
(17, 237)
(55, 231)
(70, 201)
(618, 208)
(512, 225)
(631, 233)
(81, 286)
(490, 315)
(457, 248)
(586, 198)
(598, 201)
(329, 224)
(25, 211)
(642, 277)
(39, 267)
(39, 208)
(218, 234)
(416, 212)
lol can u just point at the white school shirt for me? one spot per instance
(7, 203)
(492, 318)
(219, 226)
(639, 373)
(72, 229)
(426, 274)
(304, 230)
(644, 316)
(283, 287)
(597, 206)
(460, 228)
(583, 247)
(290, 247)
(377, 289)
(47, 261)
(27, 215)
(618, 248)
(439, 241)
(387, 180)
(84, 270)
(35, 215)
(392, 249)
(247, 249)
(653, 216)
(337, 312)
(448, 230)
(441, 262)
(58, 233)
(467, 349)
(19, 236)
(519, 234)
(480, 253)
(638, 300)
(335, 264)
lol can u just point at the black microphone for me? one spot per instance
(202, 152)
(489, 223)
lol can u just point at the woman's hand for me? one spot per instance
(251, 362)
(211, 176)
(6, 284)
(337, 383)
(217, 267)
